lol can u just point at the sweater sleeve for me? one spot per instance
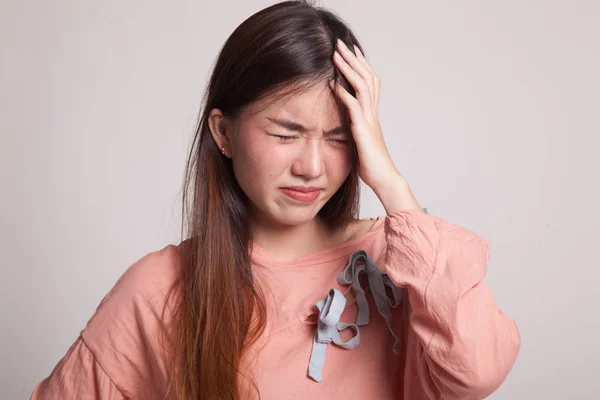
(459, 345)
(78, 375)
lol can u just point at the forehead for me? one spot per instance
(315, 107)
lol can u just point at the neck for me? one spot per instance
(291, 242)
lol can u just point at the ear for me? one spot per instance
(220, 130)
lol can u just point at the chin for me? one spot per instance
(293, 216)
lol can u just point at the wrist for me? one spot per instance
(390, 183)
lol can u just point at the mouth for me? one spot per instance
(302, 194)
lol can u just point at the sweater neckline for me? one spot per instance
(261, 255)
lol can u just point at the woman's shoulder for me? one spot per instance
(360, 227)
(142, 285)
(153, 272)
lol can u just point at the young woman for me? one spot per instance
(279, 290)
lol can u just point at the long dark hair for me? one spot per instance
(220, 312)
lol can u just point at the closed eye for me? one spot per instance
(284, 138)
(341, 141)
(289, 138)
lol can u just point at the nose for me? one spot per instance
(310, 161)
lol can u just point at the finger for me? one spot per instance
(351, 103)
(376, 83)
(353, 61)
(361, 87)
(361, 57)
(363, 68)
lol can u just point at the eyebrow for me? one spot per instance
(294, 126)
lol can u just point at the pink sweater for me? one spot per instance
(425, 326)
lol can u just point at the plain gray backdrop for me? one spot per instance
(490, 109)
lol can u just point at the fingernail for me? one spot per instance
(337, 55)
(342, 43)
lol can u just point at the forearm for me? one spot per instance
(395, 195)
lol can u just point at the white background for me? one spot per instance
(490, 109)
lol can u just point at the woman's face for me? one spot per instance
(297, 143)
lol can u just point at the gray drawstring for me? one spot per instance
(377, 282)
(332, 307)
(328, 330)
